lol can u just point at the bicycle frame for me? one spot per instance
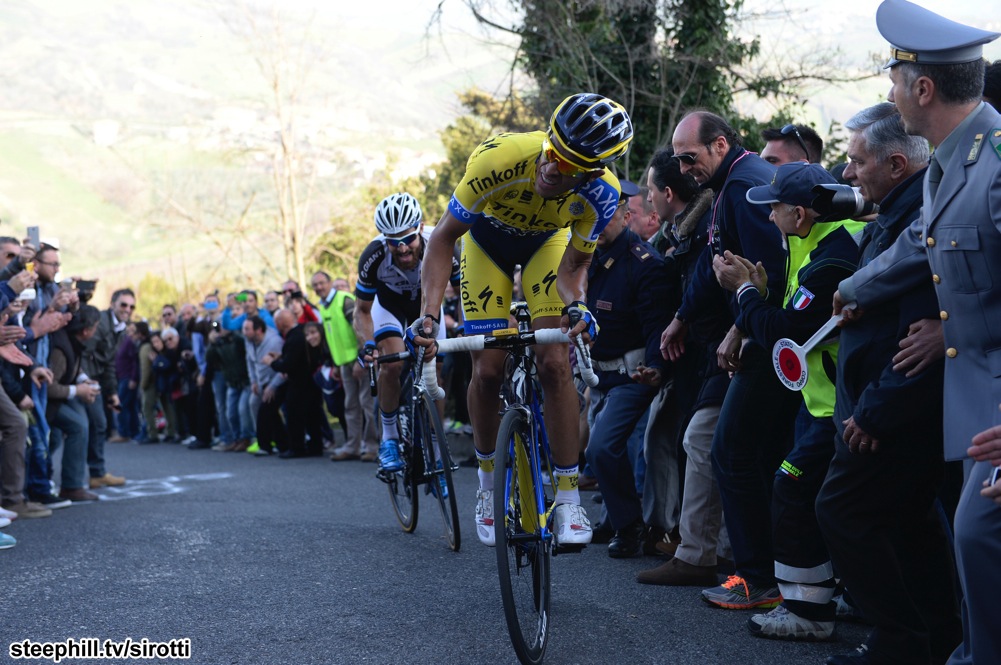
(425, 448)
(525, 388)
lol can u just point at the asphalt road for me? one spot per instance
(262, 560)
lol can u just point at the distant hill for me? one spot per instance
(110, 104)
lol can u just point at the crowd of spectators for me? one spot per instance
(225, 375)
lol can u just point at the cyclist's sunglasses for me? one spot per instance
(562, 165)
(405, 240)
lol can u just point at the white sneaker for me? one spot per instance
(782, 624)
(570, 525)
(485, 516)
(4, 521)
(9, 514)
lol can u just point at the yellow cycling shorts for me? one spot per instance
(488, 261)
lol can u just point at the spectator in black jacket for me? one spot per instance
(303, 403)
(69, 393)
(698, 389)
(227, 355)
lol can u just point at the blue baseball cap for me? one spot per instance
(793, 184)
(923, 37)
(627, 189)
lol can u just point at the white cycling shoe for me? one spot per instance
(485, 517)
(570, 525)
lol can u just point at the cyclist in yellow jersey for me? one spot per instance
(538, 200)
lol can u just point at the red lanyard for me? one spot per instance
(713, 224)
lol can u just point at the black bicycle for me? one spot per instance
(423, 450)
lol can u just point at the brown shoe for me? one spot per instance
(343, 456)
(77, 494)
(29, 509)
(239, 446)
(118, 438)
(369, 457)
(586, 483)
(678, 573)
(668, 543)
(107, 480)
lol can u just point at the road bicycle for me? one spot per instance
(424, 451)
(523, 480)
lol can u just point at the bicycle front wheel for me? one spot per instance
(523, 556)
(403, 483)
(438, 467)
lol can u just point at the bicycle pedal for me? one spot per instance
(568, 549)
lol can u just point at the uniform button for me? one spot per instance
(936, 279)
(952, 353)
(955, 244)
(931, 242)
(944, 315)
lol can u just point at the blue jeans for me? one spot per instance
(38, 478)
(241, 421)
(615, 414)
(97, 435)
(222, 417)
(753, 435)
(71, 420)
(128, 417)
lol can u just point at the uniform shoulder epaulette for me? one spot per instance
(995, 142)
(642, 253)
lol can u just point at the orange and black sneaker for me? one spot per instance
(737, 594)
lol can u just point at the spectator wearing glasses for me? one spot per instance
(111, 332)
(792, 143)
(755, 427)
(288, 288)
(13, 256)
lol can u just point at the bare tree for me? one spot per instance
(286, 50)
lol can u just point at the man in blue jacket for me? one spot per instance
(755, 426)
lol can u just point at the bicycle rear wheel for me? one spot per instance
(403, 483)
(523, 557)
(429, 428)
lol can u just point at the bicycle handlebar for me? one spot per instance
(480, 342)
(373, 384)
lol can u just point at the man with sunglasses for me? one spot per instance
(755, 427)
(388, 300)
(12, 257)
(538, 199)
(792, 143)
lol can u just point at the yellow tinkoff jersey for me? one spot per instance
(497, 189)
